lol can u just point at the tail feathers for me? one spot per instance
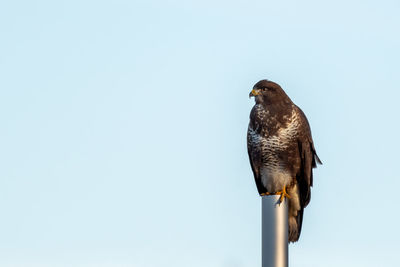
(295, 223)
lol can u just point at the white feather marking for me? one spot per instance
(274, 179)
(273, 175)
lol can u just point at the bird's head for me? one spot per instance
(268, 92)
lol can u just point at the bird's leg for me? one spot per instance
(283, 194)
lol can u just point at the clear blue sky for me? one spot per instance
(123, 130)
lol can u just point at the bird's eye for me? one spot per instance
(264, 88)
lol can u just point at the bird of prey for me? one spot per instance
(281, 151)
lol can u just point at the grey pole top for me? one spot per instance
(274, 232)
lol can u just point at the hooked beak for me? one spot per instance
(254, 92)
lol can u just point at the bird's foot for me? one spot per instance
(283, 194)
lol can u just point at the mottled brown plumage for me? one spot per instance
(281, 150)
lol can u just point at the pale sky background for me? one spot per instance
(123, 130)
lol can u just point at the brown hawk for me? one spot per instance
(281, 150)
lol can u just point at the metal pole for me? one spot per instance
(274, 232)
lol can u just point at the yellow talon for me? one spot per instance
(282, 193)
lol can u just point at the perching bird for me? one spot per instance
(281, 151)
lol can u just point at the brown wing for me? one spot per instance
(309, 160)
(254, 150)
